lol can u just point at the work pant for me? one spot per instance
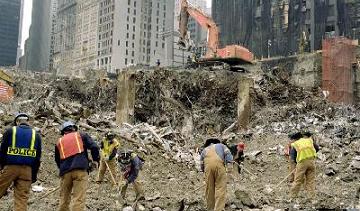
(215, 177)
(74, 182)
(292, 167)
(103, 168)
(137, 186)
(305, 173)
(21, 176)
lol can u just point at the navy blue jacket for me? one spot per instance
(23, 140)
(135, 167)
(79, 161)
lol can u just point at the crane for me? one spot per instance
(231, 54)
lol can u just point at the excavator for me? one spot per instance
(233, 55)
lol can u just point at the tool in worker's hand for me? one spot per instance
(111, 174)
(270, 190)
(45, 195)
(242, 167)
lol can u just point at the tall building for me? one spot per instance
(137, 33)
(37, 50)
(284, 27)
(85, 49)
(10, 12)
(111, 34)
(105, 32)
(64, 33)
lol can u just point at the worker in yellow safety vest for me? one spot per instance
(109, 146)
(303, 151)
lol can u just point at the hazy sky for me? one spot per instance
(27, 19)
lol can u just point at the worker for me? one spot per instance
(213, 160)
(109, 146)
(237, 151)
(292, 162)
(20, 154)
(158, 62)
(130, 165)
(71, 156)
(303, 151)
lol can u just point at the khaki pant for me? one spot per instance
(305, 173)
(292, 167)
(137, 186)
(215, 176)
(21, 176)
(74, 182)
(103, 169)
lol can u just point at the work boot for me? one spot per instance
(140, 197)
(123, 191)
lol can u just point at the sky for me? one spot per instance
(27, 20)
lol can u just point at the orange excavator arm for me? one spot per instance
(204, 20)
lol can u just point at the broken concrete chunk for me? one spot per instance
(157, 209)
(128, 209)
(330, 170)
(245, 198)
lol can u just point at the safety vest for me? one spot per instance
(70, 144)
(15, 150)
(304, 148)
(108, 148)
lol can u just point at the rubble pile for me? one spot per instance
(203, 103)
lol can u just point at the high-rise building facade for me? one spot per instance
(138, 30)
(10, 19)
(64, 33)
(105, 34)
(284, 27)
(85, 49)
(111, 34)
(37, 51)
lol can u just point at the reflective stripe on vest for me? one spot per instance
(304, 148)
(108, 148)
(26, 152)
(69, 145)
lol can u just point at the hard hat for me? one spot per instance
(295, 136)
(125, 156)
(210, 141)
(110, 135)
(21, 116)
(240, 146)
(67, 125)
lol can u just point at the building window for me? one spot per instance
(133, 36)
(156, 44)
(134, 20)
(163, 45)
(133, 53)
(127, 43)
(129, 2)
(133, 28)
(125, 61)
(133, 45)
(127, 26)
(132, 61)
(128, 10)
(126, 52)
(134, 3)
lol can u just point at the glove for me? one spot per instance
(93, 166)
